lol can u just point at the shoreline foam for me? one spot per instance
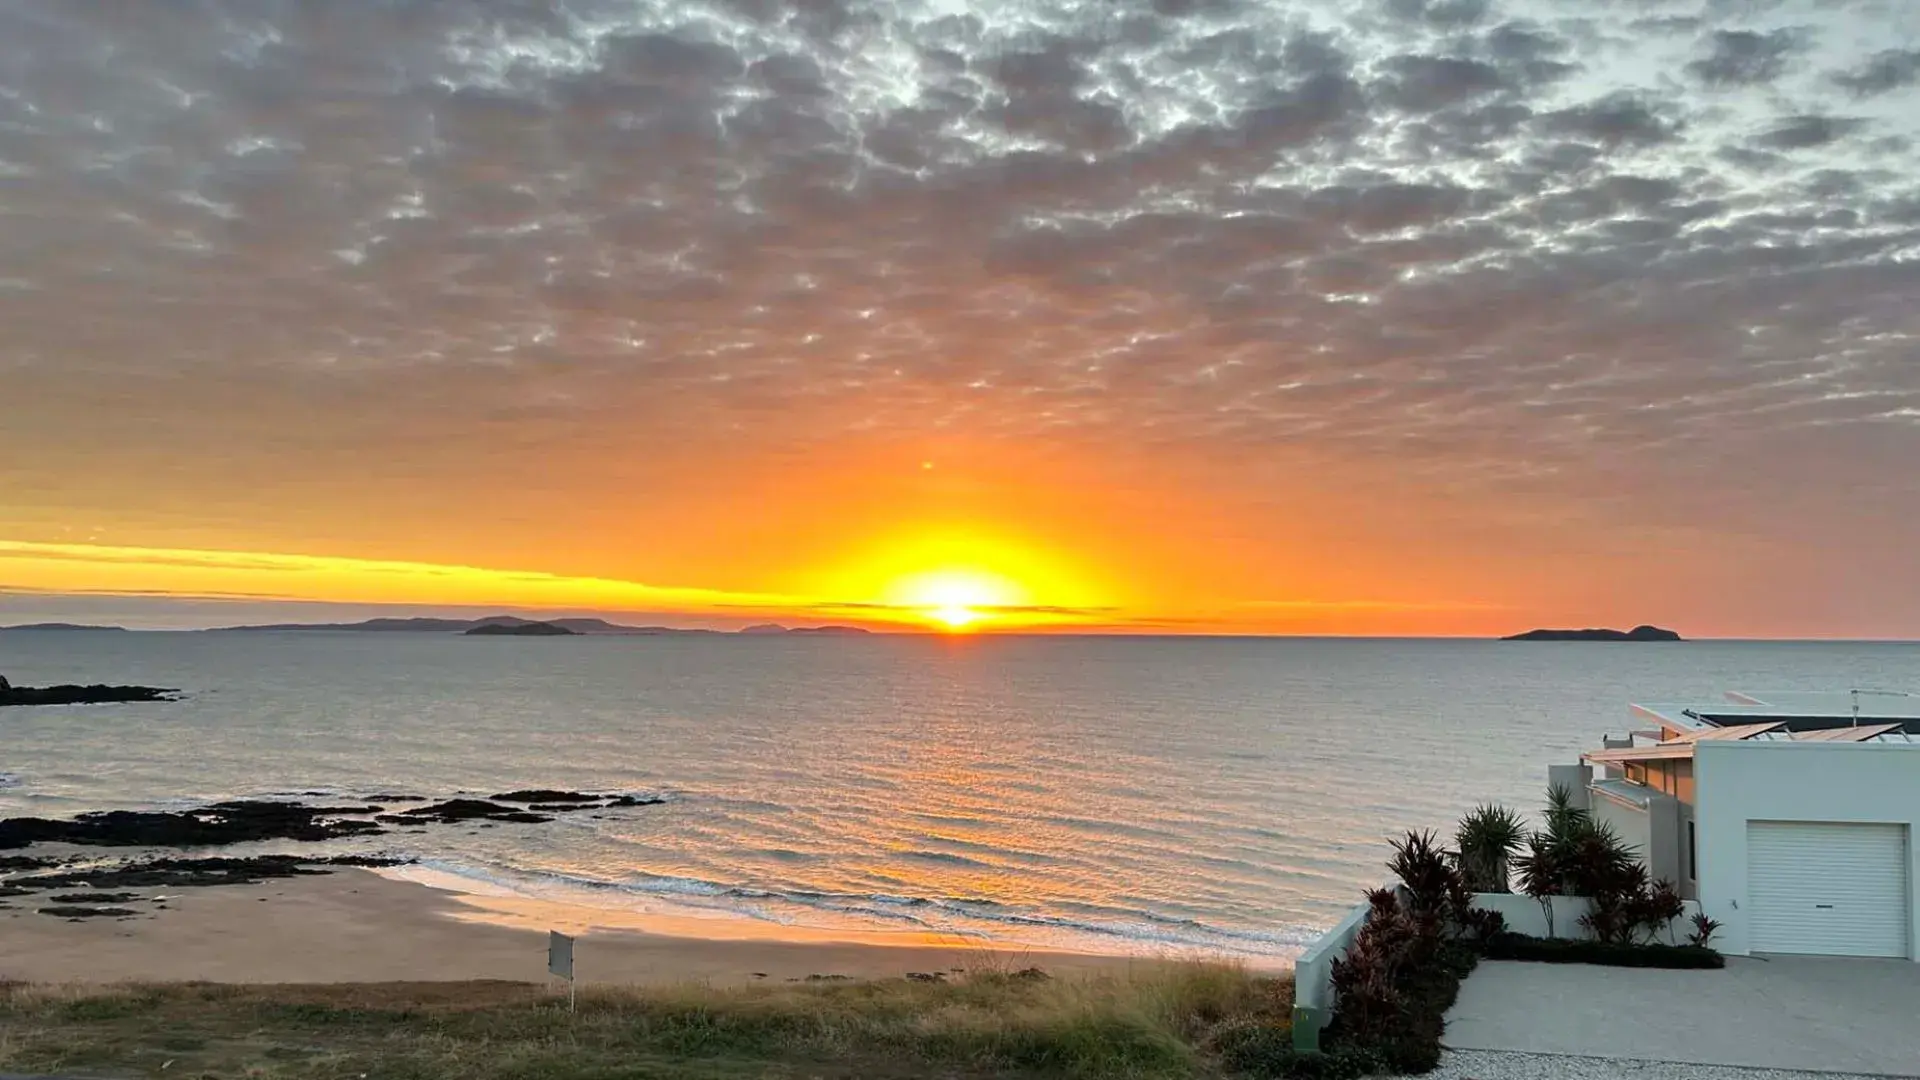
(511, 898)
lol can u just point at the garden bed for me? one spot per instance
(1566, 951)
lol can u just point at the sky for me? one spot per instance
(1221, 316)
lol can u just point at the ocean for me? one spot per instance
(1155, 796)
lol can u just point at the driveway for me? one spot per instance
(1806, 1013)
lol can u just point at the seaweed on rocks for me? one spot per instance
(559, 802)
(207, 826)
(83, 695)
(458, 810)
(546, 795)
(176, 873)
(361, 860)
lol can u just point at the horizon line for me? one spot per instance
(59, 626)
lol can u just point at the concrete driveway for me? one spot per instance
(1806, 1013)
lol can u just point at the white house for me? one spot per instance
(1794, 819)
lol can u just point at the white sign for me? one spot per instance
(560, 955)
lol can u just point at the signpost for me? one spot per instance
(560, 960)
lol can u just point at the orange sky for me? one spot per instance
(932, 534)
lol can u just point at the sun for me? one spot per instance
(956, 599)
(956, 618)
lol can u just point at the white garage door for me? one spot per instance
(1828, 889)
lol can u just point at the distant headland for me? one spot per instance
(1638, 633)
(490, 626)
(527, 629)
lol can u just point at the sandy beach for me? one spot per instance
(360, 926)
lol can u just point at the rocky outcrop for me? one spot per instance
(457, 810)
(248, 821)
(221, 823)
(81, 695)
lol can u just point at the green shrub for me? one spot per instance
(1610, 954)
(1488, 839)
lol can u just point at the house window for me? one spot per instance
(1693, 865)
(1637, 773)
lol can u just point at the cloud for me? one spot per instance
(266, 270)
(1427, 83)
(1441, 13)
(1745, 58)
(111, 570)
(1806, 132)
(1623, 117)
(1882, 73)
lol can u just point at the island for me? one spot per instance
(526, 629)
(1638, 633)
(80, 695)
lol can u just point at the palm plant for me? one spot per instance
(1542, 874)
(1488, 839)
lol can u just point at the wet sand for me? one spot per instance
(361, 926)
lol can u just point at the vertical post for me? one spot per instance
(560, 961)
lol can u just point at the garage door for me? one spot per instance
(1834, 890)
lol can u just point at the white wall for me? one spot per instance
(1630, 823)
(1742, 781)
(1525, 916)
(1313, 972)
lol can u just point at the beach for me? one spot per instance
(361, 926)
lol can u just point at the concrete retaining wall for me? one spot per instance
(1313, 978)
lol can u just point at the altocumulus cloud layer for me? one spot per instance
(1510, 235)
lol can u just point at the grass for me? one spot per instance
(1161, 1020)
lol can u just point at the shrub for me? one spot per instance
(1488, 839)
(1399, 976)
(1611, 954)
(1541, 875)
(1424, 869)
(1703, 930)
(1368, 1002)
(1481, 924)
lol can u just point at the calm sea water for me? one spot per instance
(1228, 796)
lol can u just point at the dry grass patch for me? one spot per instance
(1159, 1020)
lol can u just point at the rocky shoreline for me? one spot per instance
(89, 889)
(97, 694)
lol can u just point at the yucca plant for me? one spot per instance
(1565, 821)
(1488, 839)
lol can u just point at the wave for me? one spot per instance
(947, 857)
(1086, 926)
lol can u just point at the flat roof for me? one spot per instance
(1682, 748)
(1796, 710)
